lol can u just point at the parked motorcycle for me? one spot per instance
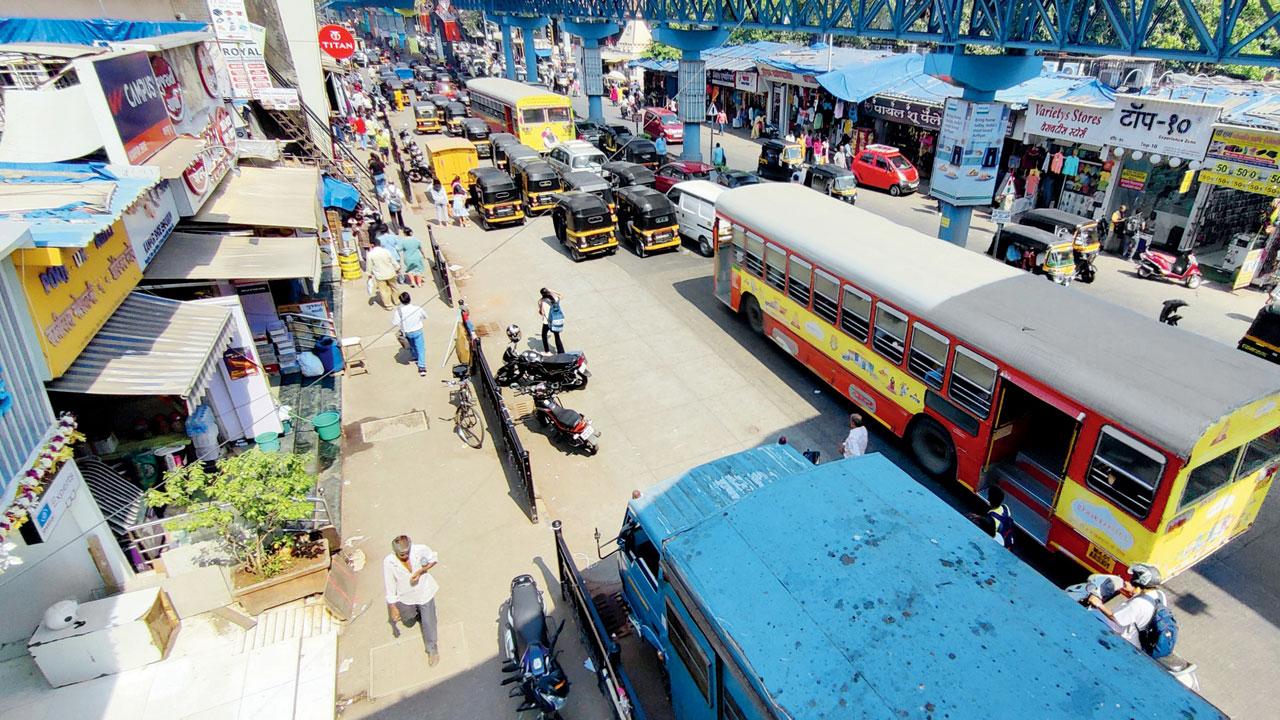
(418, 168)
(560, 371)
(1180, 268)
(1182, 670)
(530, 653)
(569, 425)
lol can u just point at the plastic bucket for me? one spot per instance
(268, 442)
(327, 425)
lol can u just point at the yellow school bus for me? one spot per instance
(540, 118)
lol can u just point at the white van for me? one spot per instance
(695, 203)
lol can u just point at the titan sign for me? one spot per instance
(337, 42)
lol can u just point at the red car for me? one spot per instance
(882, 166)
(679, 171)
(660, 121)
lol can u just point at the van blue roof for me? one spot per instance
(850, 591)
(684, 500)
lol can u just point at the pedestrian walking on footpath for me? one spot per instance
(552, 315)
(411, 590)
(411, 320)
(855, 443)
(415, 261)
(383, 139)
(394, 198)
(378, 170)
(718, 159)
(440, 199)
(721, 119)
(384, 267)
(460, 212)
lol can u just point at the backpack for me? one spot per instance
(1004, 524)
(1160, 635)
(555, 317)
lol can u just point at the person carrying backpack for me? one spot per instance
(1144, 619)
(552, 318)
(1000, 515)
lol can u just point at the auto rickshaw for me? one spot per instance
(425, 118)
(424, 73)
(501, 142)
(396, 94)
(647, 220)
(477, 131)
(834, 181)
(1082, 232)
(1037, 252)
(1263, 336)
(496, 197)
(454, 114)
(589, 182)
(778, 159)
(622, 174)
(584, 225)
(441, 101)
(538, 183)
(519, 153)
(641, 152)
(449, 158)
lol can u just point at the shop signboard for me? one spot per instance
(246, 65)
(278, 98)
(721, 77)
(70, 302)
(898, 110)
(747, 81)
(1083, 124)
(188, 84)
(1162, 127)
(56, 501)
(149, 221)
(773, 74)
(1243, 159)
(1131, 179)
(968, 158)
(136, 103)
(230, 22)
(337, 42)
(209, 166)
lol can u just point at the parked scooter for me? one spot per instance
(560, 371)
(1183, 268)
(1182, 670)
(418, 168)
(530, 653)
(569, 425)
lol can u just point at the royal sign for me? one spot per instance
(337, 42)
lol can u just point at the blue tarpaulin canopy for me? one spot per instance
(340, 194)
(67, 204)
(93, 31)
(728, 57)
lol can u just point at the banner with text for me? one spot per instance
(1163, 127)
(1243, 159)
(968, 159)
(1084, 124)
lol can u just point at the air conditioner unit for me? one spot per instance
(1071, 68)
(1110, 78)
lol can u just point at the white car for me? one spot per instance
(576, 155)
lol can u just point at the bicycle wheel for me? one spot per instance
(467, 423)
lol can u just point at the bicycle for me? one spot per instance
(467, 423)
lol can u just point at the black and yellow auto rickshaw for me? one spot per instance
(589, 182)
(584, 225)
(425, 118)
(440, 100)
(454, 114)
(1036, 251)
(396, 93)
(1082, 232)
(834, 181)
(778, 159)
(496, 197)
(647, 220)
(1263, 336)
(519, 153)
(477, 131)
(501, 142)
(538, 183)
(641, 152)
(622, 174)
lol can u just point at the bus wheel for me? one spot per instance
(932, 447)
(755, 316)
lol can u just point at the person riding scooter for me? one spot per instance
(1134, 614)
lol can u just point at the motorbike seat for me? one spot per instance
(566, 417)
(1180, 265)
(560, 361)
(528, 625)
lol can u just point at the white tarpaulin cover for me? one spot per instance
(266, 197)
(197, 256)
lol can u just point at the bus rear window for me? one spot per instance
(1125, 471)
(558, 114)
(1210, 476)
(532, 115)
(1261, 454)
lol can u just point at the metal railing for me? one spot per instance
(517, 457)
(603, 649)
(440, 266)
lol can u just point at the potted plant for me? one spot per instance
(248, 501)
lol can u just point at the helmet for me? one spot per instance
(513, 333)
(61, 614)
(1144, 575)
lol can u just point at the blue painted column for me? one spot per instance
(508, 55)
(692, 80)
(979, 76)
(592, 72)
(527, 25)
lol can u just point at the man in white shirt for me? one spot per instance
(855, 443)
(410, 319)
(411, 590)
(384, 268)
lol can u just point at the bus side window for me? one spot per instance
(775, 272)
(738, 238)
(799, 280)
(826, 296)
(753, 257)
(1126, 471)
(928, 357)
(855, 314)
(689, 651)
(890, 337)
(973, 382)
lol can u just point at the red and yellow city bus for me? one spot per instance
(540, 118)
(1117, 439)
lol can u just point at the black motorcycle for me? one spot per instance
(559, 371)
(531, 654)
(569, 425)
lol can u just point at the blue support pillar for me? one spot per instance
(592, 72)
(692, 79)
(527, 27)
(508, 55)
(980, 76)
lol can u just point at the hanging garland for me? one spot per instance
(49, 460)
